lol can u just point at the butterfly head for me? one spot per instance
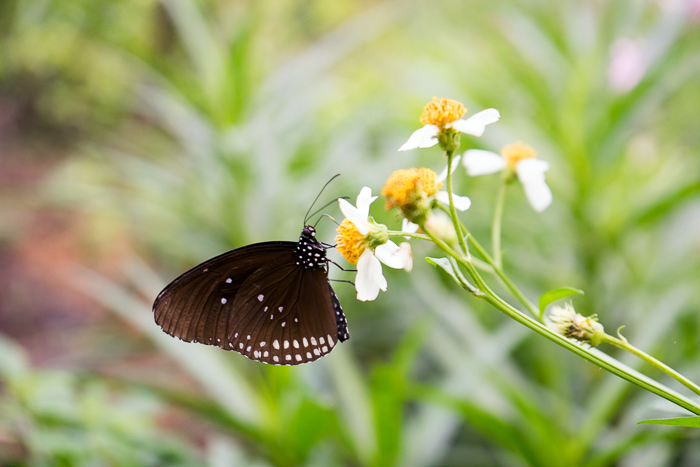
(310, 252)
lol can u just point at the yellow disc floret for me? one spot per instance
(406, 186)
(440, 112)
(514, 153)
(350, 242)
(410, 191)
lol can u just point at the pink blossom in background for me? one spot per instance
(627, 64)
(695, 11)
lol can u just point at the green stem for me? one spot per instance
(453, 211)
(517, 293)
(624, 344)
(398, 233)
(594, 356)
(496, 226)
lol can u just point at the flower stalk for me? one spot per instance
(496, 226)
(592, 355)
(453, 211)
(624, 344)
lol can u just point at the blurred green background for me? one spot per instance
(140, 137)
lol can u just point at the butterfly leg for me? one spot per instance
(341, 268)
(340, 280)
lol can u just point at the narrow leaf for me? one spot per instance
(444, 263)
(556, 294)
(693, 422)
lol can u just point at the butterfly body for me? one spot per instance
(271, 302)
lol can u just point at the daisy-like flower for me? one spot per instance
(567, 322)
(365, 243)
(521, 160)
(442, 120)
(412, 191)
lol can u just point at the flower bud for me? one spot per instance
(568, 323)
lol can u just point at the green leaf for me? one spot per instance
(445, 264)
(693, 422)
(556, 294)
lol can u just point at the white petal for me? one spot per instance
(480, 162)
(531, 175)
(462, 203)
(369, 278)
(364, 199)
(354, 216)
(408, 226)
(538, 194)
(390, 254)
(443, 175)
(531, 169)
(422, 138)
(476, 124)
(408, 256)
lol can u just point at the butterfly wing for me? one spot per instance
(258, 301)
(192, 306)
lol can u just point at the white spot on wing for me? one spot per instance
(286, 344)
(296, 344)
(229, 280)
(276, 358)
(262, 344)
(276, 344)
(306, 342)
(313, 341)
(287, 357)
(261, 297)
(325, 349)
(298, 357)
(322, 340)
(330, 341)
(317, 352)
(308, 355)
(223, 301)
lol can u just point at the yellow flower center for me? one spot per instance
(350, 242)
(440, 112)
(406, 186)
(514, 153)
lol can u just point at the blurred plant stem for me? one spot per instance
(498, 270)
(496, 226)
(453, 211)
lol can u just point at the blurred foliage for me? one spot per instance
(197, 127)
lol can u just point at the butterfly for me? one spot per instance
(271, 302)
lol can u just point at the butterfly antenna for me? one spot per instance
(306, 217)
(328, 216)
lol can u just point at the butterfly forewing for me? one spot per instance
(271, 302)
(191, 305)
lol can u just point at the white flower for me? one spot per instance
(354, 242)
(462, 203)
(475, 125)
(521, 159)
(408, 226)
